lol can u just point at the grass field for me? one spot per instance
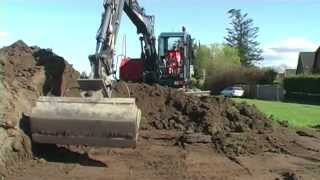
(299, 115)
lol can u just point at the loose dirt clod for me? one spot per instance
(290, 176)
(7, 125)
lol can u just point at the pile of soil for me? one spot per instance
(27, 73)
(53, 75)
(166, 108)
(233, 128)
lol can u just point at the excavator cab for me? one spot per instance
(175, 53)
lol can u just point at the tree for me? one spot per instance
(270, 75)
(203, 56)
(211, 59)
(242, 36)
(225, 55)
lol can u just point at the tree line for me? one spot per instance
(234, 61)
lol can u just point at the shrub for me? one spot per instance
(219, 66)
(213, 57)
(223, 77)
(302, 84)
(269, 76)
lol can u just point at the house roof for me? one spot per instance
(316, 65)
(306, 60)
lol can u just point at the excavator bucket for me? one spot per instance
(111, 122)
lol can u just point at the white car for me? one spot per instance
(233, 92)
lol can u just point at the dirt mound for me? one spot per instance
(234, 129)
(61, 78)
(22, 63)
(165, 108)
(218, 117)
(27, 73)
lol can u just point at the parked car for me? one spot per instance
(233, 91)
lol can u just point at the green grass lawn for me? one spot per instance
(298, 115)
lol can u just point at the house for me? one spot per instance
(306, 63)
(309, 62)
(316, 64)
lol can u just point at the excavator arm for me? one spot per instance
(145, 26)
(102, 62)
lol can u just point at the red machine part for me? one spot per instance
(173, 63)
(131, 70)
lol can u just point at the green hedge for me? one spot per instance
(302, 84)
(303, 98)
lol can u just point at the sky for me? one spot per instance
(69, 27)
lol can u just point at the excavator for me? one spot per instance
(96, 118)
(175, 54)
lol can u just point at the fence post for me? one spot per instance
(258, 91)
(278, 96)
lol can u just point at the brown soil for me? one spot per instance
(182, 137)
(27, 72)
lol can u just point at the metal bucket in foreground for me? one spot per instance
(111, 122)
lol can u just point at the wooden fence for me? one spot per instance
(264, 92)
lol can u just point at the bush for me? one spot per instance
(269, 76)
(221, 78)
(302, 84)
(213, 57)
(219, 66)
(303, 98)
(196, 83)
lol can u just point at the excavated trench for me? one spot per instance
(180, 121)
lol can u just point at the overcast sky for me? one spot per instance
(69, 26)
